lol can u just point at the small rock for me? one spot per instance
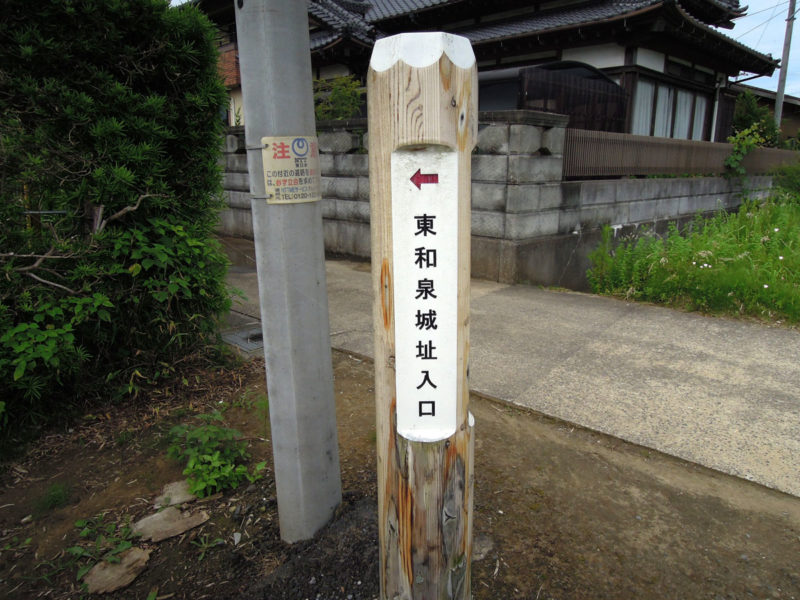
(237, 537)
(106, 577)
(168, 523)
(27, 519)
(174, 493)
(481, 546)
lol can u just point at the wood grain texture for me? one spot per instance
(424, 488)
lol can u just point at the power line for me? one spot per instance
(751, 14)
(763, 31)
(763, 23)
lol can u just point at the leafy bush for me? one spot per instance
(109, 194)
(744, 142)
(214, 455)
(338, 98)
(744, 263)
(748, 113)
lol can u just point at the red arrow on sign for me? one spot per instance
(419, 178)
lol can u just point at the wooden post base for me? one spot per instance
(426, 519)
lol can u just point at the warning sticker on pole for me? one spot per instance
(291, 169)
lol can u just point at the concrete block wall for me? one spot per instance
(560, 257)
(236, 220)
(527, 224)
(345, 200)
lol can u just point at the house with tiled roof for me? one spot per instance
(663, 66)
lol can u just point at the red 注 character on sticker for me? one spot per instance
(281, 150)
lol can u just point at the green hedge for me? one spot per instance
(109, 194)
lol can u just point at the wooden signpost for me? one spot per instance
(422, 93)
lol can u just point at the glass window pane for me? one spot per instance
(683, 115)
(664, 101)
(700, 109)
(643, 107)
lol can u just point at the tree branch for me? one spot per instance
(51, 283)
(40, 258)
(125, 211)
(15, 255)
(38, 262)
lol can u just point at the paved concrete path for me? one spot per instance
(718, 392)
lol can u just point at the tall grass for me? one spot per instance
(745, 263)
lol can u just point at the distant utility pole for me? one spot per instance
(787, 44)
(283, 162)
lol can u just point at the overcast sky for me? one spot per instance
(762, 29)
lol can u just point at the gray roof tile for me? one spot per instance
(338, 21)
(387, 9)
(599, 11)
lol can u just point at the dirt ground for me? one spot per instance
(560, 512)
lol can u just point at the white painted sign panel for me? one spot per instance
(291, 169)
(425, 265)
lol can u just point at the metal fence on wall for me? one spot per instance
(590, 98)
(590, 154)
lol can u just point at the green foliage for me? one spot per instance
(262, 409)
(338, 98)
(100, 541)
(215, 456)
(745, 263)
(205, 544)
(744, 142)
(16, 545)
(56, 496)
(258, 401)
(109, 195)
(748, 112)
(787, 178)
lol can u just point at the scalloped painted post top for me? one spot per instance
(421, 50)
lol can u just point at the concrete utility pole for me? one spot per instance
(283, 163)
(423, 91)
(787, 44)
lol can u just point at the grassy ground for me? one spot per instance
(744, 263)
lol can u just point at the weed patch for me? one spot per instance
(747, 263)
(215, 456)
(56, 496)
(99, 541)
